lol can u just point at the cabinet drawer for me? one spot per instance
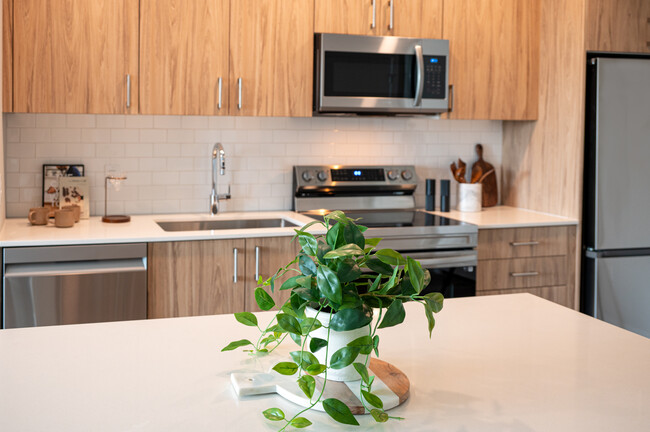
(521, 273)
(558, 294)
(522, 242)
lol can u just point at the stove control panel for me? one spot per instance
(358, 175)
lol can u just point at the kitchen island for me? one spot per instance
(495, 363)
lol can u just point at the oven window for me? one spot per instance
(353, 74)
(453, 282)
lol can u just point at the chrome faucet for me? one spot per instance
(217, 152)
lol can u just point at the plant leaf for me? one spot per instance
(329, 284)
(391, 282)
(379, 415)
(333, 237)
(434, 300)
(372, 399)
(347, 250)
(308, 242)
(306, 265)
(323, 248)
(362, 370)
(389, 256)
(307, 384)
(348, 270)
(375, 344)
(416, 274)
(315, 369)
(274, 414)
(375, 284)
(300, 422)
(246, 318)
(339, 411)
(394, 315)
(236, 344)
(296, 338)
(286, 368)
(263, 299)
(430, 319)
(304, 358)
(289, 323)
(350, 319)
(308, 325)
(373, 242)
(364, 343)
(317, 343)
(344, 357)
(352, 234)
(376, 265)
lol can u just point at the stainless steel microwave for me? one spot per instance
(380, 75)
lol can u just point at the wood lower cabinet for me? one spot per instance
(184, 57)
(271, 57)
(206, 277)
(494, 47)
(407, 18)
(538, 260)
(76, 56)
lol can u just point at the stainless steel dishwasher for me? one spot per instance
(55, 285)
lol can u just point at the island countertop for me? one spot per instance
(494, 363)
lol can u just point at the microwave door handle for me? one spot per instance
(419, 77)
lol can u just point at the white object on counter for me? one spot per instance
(509, 362)
(469, 197)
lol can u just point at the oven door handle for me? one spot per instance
(464, 259)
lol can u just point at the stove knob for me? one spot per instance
(407, 175)
(392, 175)
(322, 176)
(307, 176)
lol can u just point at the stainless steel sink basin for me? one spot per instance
(207, 225)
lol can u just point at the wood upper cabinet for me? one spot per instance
(264, 256)
(7, 55)
(189, 278)
(76, 56)
(271, 57)
(408, 18)
(184, 57)
(494, 48)
(618, 25)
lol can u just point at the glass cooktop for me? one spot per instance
(392, 218)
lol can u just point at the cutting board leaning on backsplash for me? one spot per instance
(490, 191)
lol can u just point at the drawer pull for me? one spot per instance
(528, 243)
(524, 274)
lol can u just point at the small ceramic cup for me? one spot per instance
(469, 197)
(64, 218)
(38, 215)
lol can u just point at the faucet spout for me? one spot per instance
(218, 154)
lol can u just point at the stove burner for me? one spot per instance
(392, 218)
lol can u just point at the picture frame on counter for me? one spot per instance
(74, 191)
(52, 173)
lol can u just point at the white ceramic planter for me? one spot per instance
(337, 341)
(469, 197)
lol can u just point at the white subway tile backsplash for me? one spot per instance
(167, 159)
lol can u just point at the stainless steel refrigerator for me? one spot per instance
(616, 211)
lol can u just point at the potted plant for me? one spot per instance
(341, 280)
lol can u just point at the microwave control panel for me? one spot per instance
(435, 77)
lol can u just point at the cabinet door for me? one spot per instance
(76, 56)
(412, 18)
(357, 17)
(494, 48)
(7, 55)
(264, 256)
(271, 57)
(614, 25)
(184, 57)
(195, 278)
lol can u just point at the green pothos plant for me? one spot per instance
(342, 273)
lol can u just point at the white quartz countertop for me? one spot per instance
(507, 217)
(494, 363)
(141, 228)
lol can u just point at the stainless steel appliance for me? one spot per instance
(616, 237)
(382, 197)
(74, 284)
(380, 75)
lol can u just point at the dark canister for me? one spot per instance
(430, 202)
(444, 195)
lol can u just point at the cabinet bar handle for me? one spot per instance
(392, 14)
(234, 254)
(524, 274)
(528, 243)
(374, 14)
(239, 85)
(128, 90)
(257, 263)
(219, 105)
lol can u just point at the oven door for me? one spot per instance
(453, 273)
(380, 74)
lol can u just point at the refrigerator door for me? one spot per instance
(620, 293)
(622, 152)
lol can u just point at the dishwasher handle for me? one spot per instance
(75, 268)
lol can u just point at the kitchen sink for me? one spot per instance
(207, 225)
